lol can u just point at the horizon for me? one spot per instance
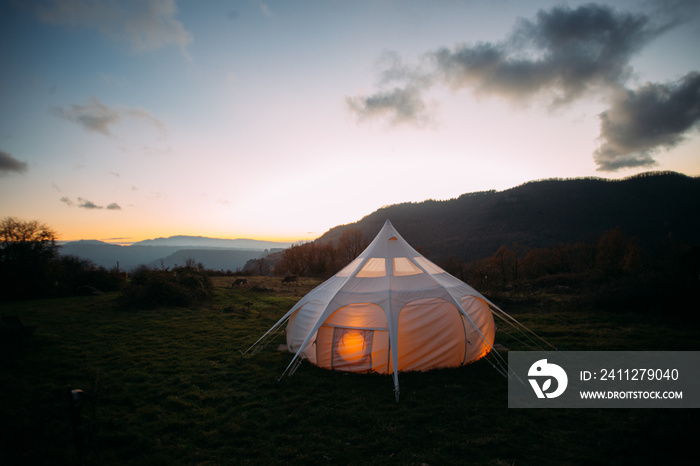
(122, 242)
(119, 242)
(277, 122)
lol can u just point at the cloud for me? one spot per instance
(146, 25)
(10, 164)
(98, 117)
(556, 58)
(141, 114)
(85, 204)
(89, 205)
(400, 105)
(642, 121)
(93, 116)
(400, 98)
(561, 55)
(674, 12)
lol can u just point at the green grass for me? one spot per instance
(168, 387)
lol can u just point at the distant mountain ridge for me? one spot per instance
(655, 208)
(213, 253)
(204, 242)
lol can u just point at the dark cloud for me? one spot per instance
(10, 164)
(98, 117)
(400, 99)
(400, 105)
(642, 121)
(86, 204)
(561, 55)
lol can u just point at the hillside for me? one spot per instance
(654, 208)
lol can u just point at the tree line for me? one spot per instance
(612, 254)
(614, 268)
(613, 271)
(31, 266)
(320, 259)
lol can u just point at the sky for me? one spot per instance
(278, 120)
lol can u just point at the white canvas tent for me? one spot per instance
(389, 310)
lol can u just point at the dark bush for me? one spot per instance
(31, 266)
(75, 275)
(180, 287)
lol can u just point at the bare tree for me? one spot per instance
(18, 238)
(350, 244)
(27, 254)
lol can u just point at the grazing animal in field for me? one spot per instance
(240, 281)
(290, 279)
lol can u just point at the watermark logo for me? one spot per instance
(604, 379)
(544, 371)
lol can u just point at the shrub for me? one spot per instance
(180, 287)
(75, 275)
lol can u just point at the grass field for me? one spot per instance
(168, 387)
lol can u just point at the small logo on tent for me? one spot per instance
(544, 371)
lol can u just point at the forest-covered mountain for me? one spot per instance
(654, 208)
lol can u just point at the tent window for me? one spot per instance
(375, 267)
(352, 349)
(403, 266)
(350, 268)
(428, 266)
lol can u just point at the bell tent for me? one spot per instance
(389, 310)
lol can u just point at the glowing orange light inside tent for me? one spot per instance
(351, 347)
(483, 353)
